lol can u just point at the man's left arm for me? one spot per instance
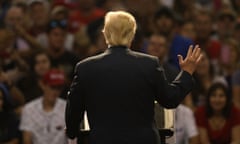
(170, 95)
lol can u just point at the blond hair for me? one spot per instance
(119, 28)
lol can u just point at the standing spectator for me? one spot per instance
(42, 120)
(9, 132)
(218, 121)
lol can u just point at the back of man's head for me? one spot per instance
(119, 28)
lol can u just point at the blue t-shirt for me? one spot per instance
(178, 46)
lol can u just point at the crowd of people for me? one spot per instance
(42, 40)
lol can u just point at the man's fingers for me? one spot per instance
(180, 59)
(196, 52)
(190, 49)
(199, 58)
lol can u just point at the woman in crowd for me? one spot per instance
(218, 121)
(39, 65)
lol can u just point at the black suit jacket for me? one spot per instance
(117, 89)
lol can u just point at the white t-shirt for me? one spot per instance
(46, 127)
(185, 125)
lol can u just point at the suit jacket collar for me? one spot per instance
(119, 48)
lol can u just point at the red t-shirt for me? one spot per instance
(221, 136)
(213, 49)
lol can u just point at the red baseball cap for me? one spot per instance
(54, 77)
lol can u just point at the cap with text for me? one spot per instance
(54, 77)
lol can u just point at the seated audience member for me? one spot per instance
(9, 132)
(218, 121)
(42, 120)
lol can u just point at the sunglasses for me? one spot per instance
(58, 23)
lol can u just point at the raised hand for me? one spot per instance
(190, 63)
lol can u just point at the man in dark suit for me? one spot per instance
(118, 87)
